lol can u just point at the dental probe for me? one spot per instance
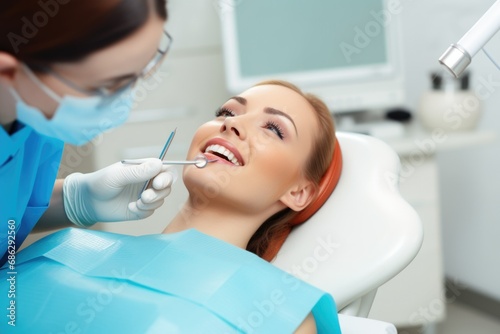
(199, 162)
(149, 184)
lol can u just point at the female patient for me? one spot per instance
(270, 147)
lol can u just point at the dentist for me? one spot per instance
(67, 69)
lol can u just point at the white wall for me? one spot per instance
(469, 178)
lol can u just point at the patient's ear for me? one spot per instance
(300, 196)
(8, 67)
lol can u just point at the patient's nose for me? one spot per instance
(231, 124)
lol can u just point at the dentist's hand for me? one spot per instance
(111, 194)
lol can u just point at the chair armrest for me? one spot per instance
(356, 325)
(361, 306)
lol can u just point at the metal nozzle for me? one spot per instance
(455, 60)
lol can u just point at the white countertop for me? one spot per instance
(418, 140)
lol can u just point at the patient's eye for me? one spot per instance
(224, 112)
(274, 127)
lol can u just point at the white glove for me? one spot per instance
(112, 193)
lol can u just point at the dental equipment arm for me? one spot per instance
(458, 56)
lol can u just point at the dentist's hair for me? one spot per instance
(41, 32)
(270, 236)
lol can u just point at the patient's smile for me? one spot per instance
(223, 151)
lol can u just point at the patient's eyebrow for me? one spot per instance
(240, 99)
(267, 110)
(272, 111)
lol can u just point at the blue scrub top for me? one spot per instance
(29, 163)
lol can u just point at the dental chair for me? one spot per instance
(362, 236)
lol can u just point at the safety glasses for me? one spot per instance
(148, 70)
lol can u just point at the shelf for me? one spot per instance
(419, 141)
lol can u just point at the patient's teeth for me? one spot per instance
(220, 149)
(224, 151)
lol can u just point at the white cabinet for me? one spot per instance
(416, 296)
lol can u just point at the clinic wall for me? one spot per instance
(469, 177)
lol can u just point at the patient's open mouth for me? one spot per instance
(224, 153)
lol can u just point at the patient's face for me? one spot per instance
(261, 140)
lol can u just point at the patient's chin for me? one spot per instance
(209, 182)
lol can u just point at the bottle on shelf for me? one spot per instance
(450, 105)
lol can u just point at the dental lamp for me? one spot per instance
(458, 56)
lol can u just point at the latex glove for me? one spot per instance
(111, 194)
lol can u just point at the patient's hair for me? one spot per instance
(268, 239)
(40, 33)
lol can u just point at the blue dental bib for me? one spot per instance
(84, 281)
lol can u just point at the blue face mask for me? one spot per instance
(76, 120)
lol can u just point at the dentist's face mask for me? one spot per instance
(76, 120)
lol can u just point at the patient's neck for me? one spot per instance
(218, 221)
